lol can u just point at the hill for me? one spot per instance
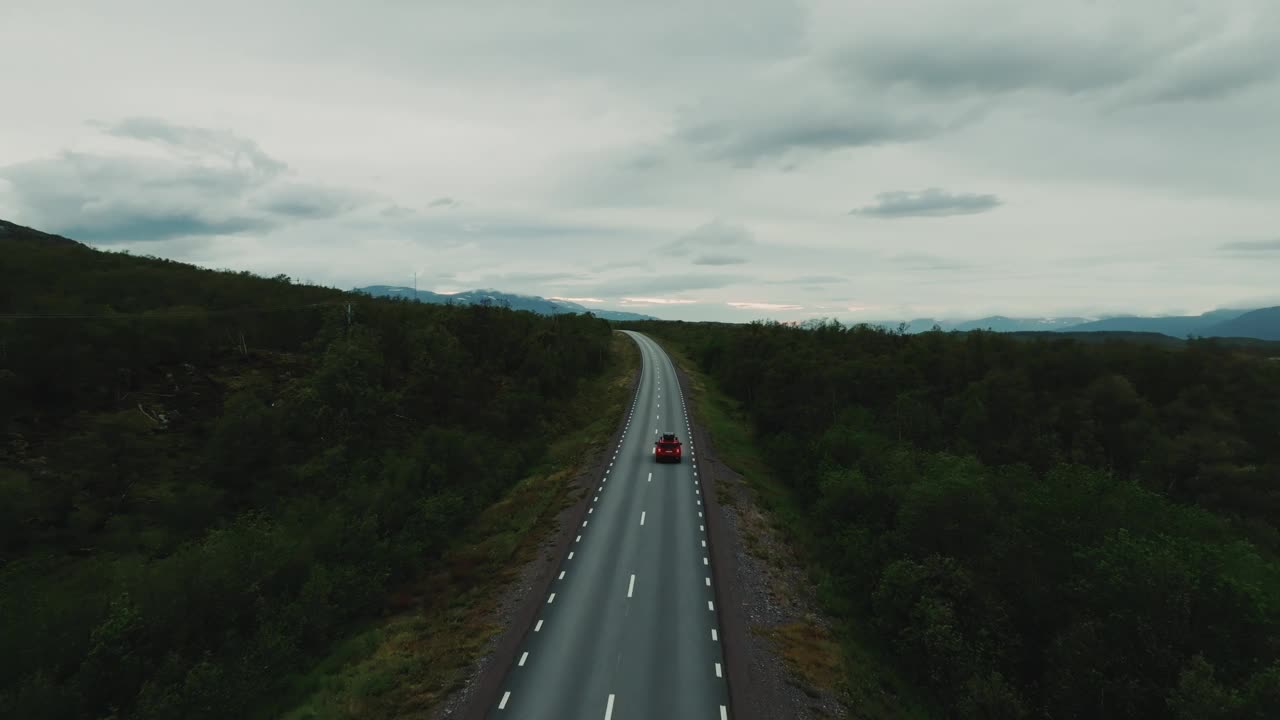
(1263, 324)
(531, 303)
(20, 233)
(999, 323)
(1175, 326)
(208, 478)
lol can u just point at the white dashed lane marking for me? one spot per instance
(505, 697)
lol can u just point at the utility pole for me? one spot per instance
(415, 286)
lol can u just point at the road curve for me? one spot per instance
(630, 627)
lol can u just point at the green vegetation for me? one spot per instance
(402, 667)
(849, 665)
(208, 479)
(1031, 528)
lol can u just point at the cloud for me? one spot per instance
(1078, 49)
(926, 261)
(714, 234)
(660, 283)
(203, 183)
(620, 264)
(719, 260)
(932, 202)
(656, 301)
(240, 152)
(763, 306)
(579, 300)
(1252, 246)
(308, 201)
(809, 280)
(444, 202)
(743, 142)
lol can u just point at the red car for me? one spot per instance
(667, 448)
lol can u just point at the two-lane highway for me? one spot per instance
(629, 629)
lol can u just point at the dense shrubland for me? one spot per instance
(206, 477)
(1030, 528)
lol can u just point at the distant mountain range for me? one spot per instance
(1262, 324)
(532, 303)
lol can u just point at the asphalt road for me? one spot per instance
(630, 627)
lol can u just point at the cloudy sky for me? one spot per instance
(720, 160)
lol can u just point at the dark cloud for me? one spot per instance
(239, 151)
(307, 202)
(714, 259)
(444, 202)
(715, 234)
(211, 183)
(135, 227)
(1116, 52)
(1252, 246)
(931, 202)
(744, 143)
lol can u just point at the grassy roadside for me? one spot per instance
(846, 664)
(404, 665)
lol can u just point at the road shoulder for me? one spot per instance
(521, 600)
(782, 657)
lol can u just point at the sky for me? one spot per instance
(716, 160)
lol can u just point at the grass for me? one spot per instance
(403, 666)
(842, 660)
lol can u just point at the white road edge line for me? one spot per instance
(714, 635)
(524, 657)
(505, 697)
(710, 606)
(561, 575)
(538, 627)
(724, 713)
(570, 555)
(553, 598)
(718, 671)
(631, 586)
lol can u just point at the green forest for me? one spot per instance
(1029, 528)
(206, 477)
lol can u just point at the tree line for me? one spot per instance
(1030, 528)
(206, 477)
